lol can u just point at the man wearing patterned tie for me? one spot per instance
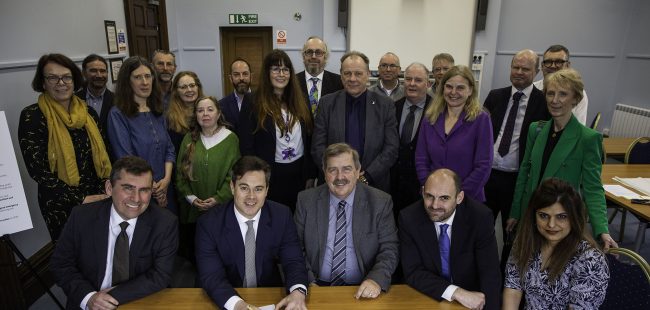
(347, 228)
(512, 109)
(315, 81)
(242, 243)
(119, 249)
(447, 245)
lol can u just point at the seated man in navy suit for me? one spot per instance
(118, 249)
(241, 243)
(448, 247)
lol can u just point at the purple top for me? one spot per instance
(144, 135)
(467, 150)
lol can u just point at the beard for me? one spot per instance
(241, 87)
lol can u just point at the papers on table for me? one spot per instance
(639, 184)
(620, 191)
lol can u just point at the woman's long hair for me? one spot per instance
(472, 107)
(124, 93)
(267, 104)
(195, 135)
(177, 119)
(529, 241)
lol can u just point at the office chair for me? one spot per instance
(629, 281)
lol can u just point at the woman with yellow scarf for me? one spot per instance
(63, 149)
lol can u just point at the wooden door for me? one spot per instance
(146, 27)
(250, 43)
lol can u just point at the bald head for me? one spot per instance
(523, 68)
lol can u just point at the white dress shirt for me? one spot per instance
(510, 162)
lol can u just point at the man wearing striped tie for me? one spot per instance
(347, 228)
(315, 81)
(448, 247)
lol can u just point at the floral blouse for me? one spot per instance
(582, 284)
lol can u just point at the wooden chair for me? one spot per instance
(629, 281)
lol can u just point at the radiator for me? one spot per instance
(630, 122)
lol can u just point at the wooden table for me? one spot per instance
(641, 211)
(334, 297)
(617, 146)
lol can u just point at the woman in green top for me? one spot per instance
(565, 149)
(205, 157)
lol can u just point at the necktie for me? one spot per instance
(249, 256)
(443, 245)
(407, 128)
(121, 256)
(506, 138)
(338, 260)
(313, 95)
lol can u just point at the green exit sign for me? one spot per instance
(243, 18)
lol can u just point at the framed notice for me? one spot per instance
(14, 211)
(111, 36)
(116, 64)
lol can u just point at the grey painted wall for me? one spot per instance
(608, 41)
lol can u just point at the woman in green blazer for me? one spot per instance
(565, 149)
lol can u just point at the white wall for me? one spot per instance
(29, 29)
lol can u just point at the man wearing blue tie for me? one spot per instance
(448, 247)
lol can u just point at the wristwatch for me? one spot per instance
(302, 290)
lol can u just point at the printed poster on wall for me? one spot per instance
(14, 212)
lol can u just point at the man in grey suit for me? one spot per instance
(365, 120)
(346, 228)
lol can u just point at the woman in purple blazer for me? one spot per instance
(456, 134)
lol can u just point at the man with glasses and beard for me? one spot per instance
(315, 81)
(240, 76)
(97, 96)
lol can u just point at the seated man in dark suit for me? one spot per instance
(120, 249)
(347, 228)
(240, 77)
(241, 243)
(448, 247)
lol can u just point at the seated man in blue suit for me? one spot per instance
(347, 228)
(241, 243)
(448, 247)
(118, 249)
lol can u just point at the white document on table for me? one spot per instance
(620, 191)
(269, 307)
(640, 184)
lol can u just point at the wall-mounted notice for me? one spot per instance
(14, 212)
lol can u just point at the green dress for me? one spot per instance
(210, 173)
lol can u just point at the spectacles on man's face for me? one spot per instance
(317, 53)
(55, 79)
(187, 86)
(388, 66)
(548, 63)
(278, 70)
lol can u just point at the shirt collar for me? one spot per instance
(419, 104)
(381, 85)
(526, 91)
(449, 221)
(349, 200)
(90, 94)
(116, 220)
(242, 219)
(319, 76)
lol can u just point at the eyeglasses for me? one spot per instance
(557, 62)
(185, 87)
(278, 70)
(318, 53)
(55, 79)
(388, 66)
(142, 77)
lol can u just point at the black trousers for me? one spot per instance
(499, 192)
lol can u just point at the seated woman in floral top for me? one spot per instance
(554, 260)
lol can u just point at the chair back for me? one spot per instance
(595, 122)
(638, 152)
(629, 281)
